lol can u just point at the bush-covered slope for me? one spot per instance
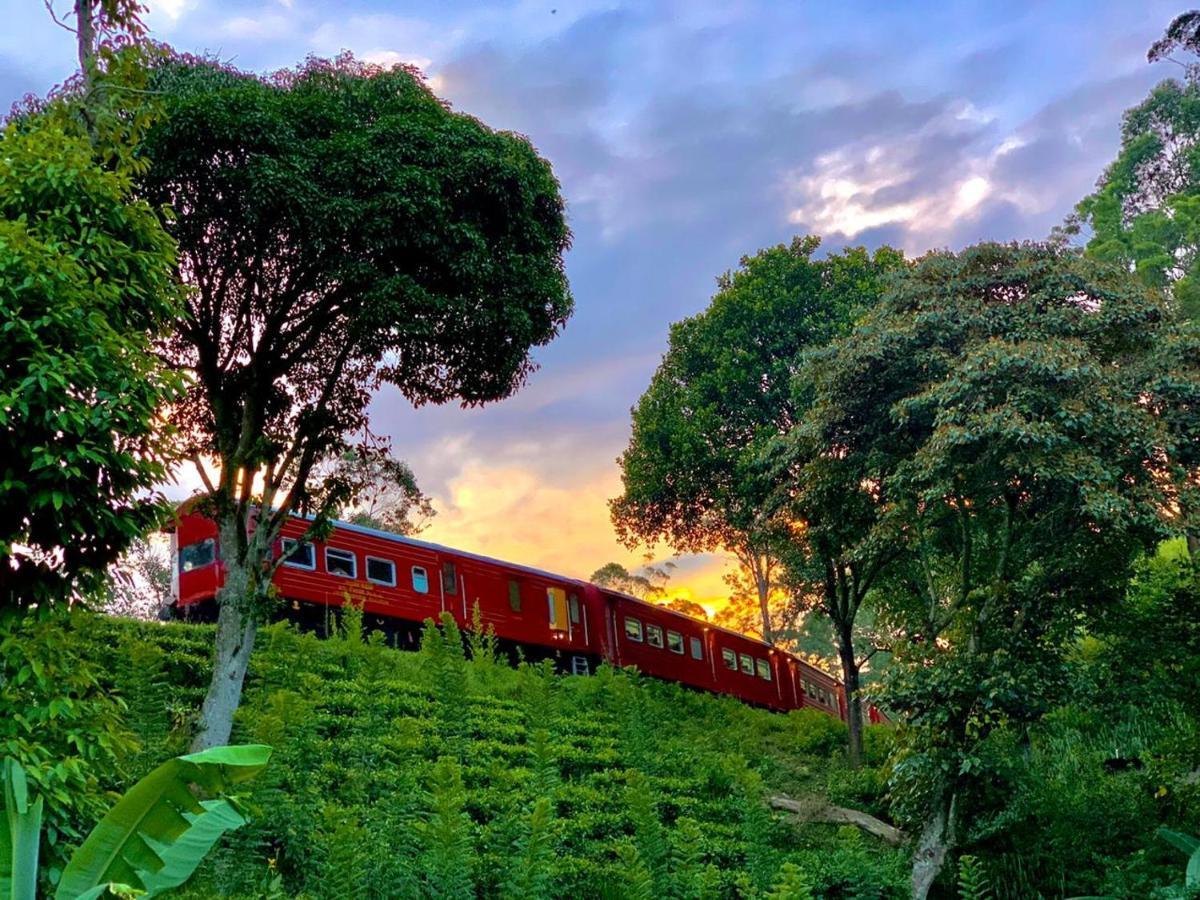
(430, 774)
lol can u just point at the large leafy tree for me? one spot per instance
(86, 283)
(725, 393)
(691, 474)
(339, 228)
(1145, 211)
(1001, 408)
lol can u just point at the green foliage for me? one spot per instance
(972, 879)
(60, 723)
(1145, 212)
(20, 834)
(86, 285)
(158, 832)
(447, 835)
(791, 884)
(543, 797)
(150, 842)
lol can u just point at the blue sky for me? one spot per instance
(686, 134)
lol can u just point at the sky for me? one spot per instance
(686, 135)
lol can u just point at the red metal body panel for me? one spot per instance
(519, 603)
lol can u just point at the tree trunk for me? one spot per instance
(237, 626)
(763, 586)
(854, 715)
(935, 844)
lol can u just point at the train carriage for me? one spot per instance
(399, 582)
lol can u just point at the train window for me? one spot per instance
(764, 669)
(342, 563)
(654, 636)
(298, 555)
(197, 556)
(730, 659)
(675, 642)
(633, 629)
(821, 695)
(420, 580)
(514, 595)
(808, 689)
(697, 648)
(449, 578)
(573, 607)
(747, 664)
(381, 571)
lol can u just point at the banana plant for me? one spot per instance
(1190, 846)
(1185, 843)
(150, 842)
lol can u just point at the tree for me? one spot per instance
(339, 228)
(386, 495)
(999, 408)
(86, 284)
(691, 476)
(1145, 211)
(140, 583)
(647, 583)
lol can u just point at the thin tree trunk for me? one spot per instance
(935, 844)
(850, 682)
(762, 583)
(237, 626)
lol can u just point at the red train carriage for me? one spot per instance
(400, 582)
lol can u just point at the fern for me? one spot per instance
(531, 876)
(687, 860)
(446, 835)
(972, 880)
(638, 882)
(791, 884)
(757, 831)
(343, 873)
(648, 834)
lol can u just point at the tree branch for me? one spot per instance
(815, 809)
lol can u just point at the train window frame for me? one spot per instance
(289, 551)
(449, 578)
(514, 595)
(654, 636)
(574, 615)
(422, 586)
(210, 546)
(697, 647)
(729, 658)
(391, 564)
(763, 668)
(678, 639)
(747, 663)
(342, 556)
(637, 633)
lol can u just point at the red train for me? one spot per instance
(401, 581)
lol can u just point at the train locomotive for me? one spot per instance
(399, 582)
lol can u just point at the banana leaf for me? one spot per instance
(1190, 846)
(160, 829)
(20, 833)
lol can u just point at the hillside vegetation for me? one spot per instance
(434, 774)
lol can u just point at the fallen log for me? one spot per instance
(814, 809)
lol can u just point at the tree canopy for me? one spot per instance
(340, 229)
(998, 407)
(86, 284)
(691, 475)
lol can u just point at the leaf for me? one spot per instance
(1184, 842)
(130, 841)
(181, 858)
(20, 832)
